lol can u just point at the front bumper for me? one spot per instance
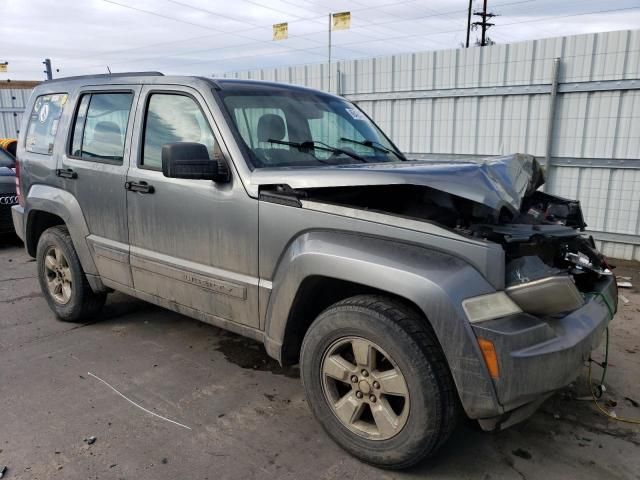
(539, 355)
(17, 213)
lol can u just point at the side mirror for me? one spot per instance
(188, 160)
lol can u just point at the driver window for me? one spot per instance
(172, 118)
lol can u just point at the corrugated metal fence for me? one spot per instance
(501, 99)
(12, 103)
(580, 114)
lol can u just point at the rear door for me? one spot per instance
(194, 243)
(94, 169)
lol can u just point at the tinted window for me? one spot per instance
(173, 118)
(101, 126)
(76, 143)
(43, 123)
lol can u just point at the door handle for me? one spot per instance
(140, 187)
(66, 173)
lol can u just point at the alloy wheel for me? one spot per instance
(58, 275)
(365, 388)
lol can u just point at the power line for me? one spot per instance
(386, 39)
(436, 33)
(237, 34)
(263, 27)
(201, 37)
(292, 49)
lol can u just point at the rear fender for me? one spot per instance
(63, 204)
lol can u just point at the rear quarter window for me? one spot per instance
(43, 123)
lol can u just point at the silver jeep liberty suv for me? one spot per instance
(410, 292)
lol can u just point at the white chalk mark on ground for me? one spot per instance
(139, 406)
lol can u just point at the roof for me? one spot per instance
(53, 86)
(106, 76)
(222, 82)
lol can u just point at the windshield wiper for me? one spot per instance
(374, 145)
(310, 144)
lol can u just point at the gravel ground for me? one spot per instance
(247, 417)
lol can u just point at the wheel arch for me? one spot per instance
(344, 264)
(306, 307)
(48, 206)
(37, 222)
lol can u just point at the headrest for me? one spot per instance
(107, 128)
(271, 127)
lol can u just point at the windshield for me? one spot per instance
(286, 128)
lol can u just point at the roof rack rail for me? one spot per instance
(108, 75)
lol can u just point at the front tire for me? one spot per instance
(62, 280)
(377, 380)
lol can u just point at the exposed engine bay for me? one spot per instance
(550, 265)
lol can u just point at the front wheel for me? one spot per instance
(62, 280)
(378, 382)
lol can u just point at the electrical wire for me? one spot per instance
(343, 46)
(604, 365)
(257, 41)
(201, 37)
(402, 37)
(635, 421)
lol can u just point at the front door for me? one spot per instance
(94, 168)
(193, 243)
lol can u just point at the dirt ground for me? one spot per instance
(247, 417)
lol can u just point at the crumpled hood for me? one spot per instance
(496, 182)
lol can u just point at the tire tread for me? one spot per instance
(418, 329)
(91, 301)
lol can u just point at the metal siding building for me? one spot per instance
(12, 104)
(499, 99)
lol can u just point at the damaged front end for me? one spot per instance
(549, 263)
(549, 294)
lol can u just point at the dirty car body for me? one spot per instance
(310, 203)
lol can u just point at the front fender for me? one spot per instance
(434, 281)
(63, 204)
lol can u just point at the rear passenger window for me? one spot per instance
(100, 126)
(43, 123)
(173, 118)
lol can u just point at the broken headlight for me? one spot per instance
(489, 307)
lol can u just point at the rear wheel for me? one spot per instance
(62, 280)
(378, 382)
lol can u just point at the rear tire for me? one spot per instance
(62, 280)
(395, 410)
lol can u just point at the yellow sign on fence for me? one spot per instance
(280, 31)
(341, 21)
(4, 68)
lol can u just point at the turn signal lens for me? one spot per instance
(490, 356)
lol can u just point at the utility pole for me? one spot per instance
(47, 66)
(329, 54)
(484, 24)
(468, 23)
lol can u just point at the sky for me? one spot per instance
(214, 37)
